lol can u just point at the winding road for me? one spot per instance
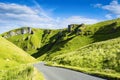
(55, 73)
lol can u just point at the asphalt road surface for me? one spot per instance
(55, 73)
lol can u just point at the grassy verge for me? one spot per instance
(38, 75)
(108, 76)
(22, 72)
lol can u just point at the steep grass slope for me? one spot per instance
(15, 63)
(11, 55)
(30, 42)
(102, 57)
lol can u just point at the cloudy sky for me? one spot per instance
(55, 14)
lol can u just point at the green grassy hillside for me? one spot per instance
(30, 42)
(11, 55)
(101, 56)
(71, 41)
(15, 63)
(48, 43)
(93, 46)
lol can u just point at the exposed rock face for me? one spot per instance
(69, 27)
(75, 27)
(26, 30)
(18, 32)
(11, 33)
(23, 31)
(29, 30)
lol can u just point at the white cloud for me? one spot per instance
(15, 8)
(118, 16)
(108, 16)
(15, 15)
(113, 7)
(76, 20)
(79, 20)
(21, 15)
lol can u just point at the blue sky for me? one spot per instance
(55, 13)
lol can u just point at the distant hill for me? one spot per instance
(11, 55)
(54, 42)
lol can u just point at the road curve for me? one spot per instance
(55, 73)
